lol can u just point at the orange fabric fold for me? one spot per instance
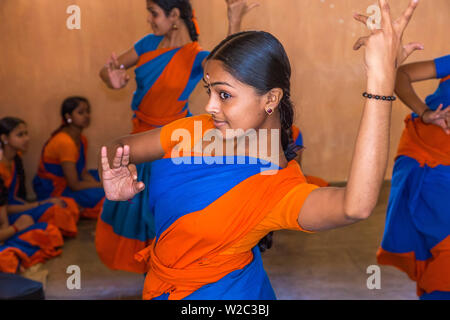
(428, 144)
(92, 213)
(65, 219)
(109, 243)
(430, 275)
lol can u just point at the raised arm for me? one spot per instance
(117, 163)
(414, 72)
(236, 10)
(114, 73)
(328, 208)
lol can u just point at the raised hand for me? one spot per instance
(384, 48)
(120, 182)
(237, 9)
(438, 117)
(117, 74)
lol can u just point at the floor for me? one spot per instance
(327, 265)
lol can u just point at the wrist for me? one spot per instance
(15, 228)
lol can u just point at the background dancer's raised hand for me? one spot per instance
(237, 9)
(385, 46)
(119, 181)
(117, 77)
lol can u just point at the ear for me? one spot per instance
(3, 138)
(175, 14)
(273, 98)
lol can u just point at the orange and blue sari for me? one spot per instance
(51, 182)
(64, 218)
(165, 79)
(417, 232)
(31, 246)
(209, 215)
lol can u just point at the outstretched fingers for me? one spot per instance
(118, 158)
(386, 20)
(105, 161)
(407, 15)
(360, 42)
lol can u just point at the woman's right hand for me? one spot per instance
(438, 117)
(24, 222)
(384, 49)
(117, 74)
(120, 182)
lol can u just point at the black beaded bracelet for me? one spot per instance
(377, 97)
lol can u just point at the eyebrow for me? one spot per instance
(218, 83)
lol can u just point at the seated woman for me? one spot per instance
(62, 168)
(297, 139)
(60, 212)
(24, 243)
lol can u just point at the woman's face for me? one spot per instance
(232, 104)
(160, 23)
(81, 116)
(18, 138)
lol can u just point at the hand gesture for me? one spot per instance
(384, 48)
(237, 9)
(438, 117)
(23, 222)
(117, 74)
(120, 181)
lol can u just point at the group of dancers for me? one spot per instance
(197, 227)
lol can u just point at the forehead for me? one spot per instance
(215, 72)
(152, 5)
(21, 127)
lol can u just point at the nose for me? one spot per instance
(212, 107)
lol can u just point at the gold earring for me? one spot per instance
(174, 27)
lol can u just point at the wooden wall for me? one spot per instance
(42, 62)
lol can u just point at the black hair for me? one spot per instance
(67, 107)
(3, 193)
(259, 60)
(7, 125)
(186, 13)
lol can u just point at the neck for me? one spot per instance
(177, 38)
(73, 131)
(8, 153)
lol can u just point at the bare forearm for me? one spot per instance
(6, 233)
(83, 185)
(406, 93)
(371, 152)
(234, 27)
(16, 208)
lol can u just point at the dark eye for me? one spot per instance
(208, 90)
(224, 95)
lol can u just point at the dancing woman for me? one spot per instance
(417, 233)
(210, 216)
(169, 65)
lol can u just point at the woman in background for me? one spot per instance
(24, 243)
(169, 65)
(417, 233)
(62, 169)
(60, 212)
